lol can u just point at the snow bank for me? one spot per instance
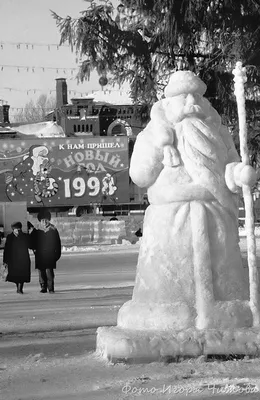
(242, 231)
(127, 244)
(102, 247)
(41, 129)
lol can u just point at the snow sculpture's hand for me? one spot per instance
(244, 175)
(162, 129)
(162, 135)
(170, 156)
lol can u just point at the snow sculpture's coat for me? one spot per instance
(191, 293)
(190, 271)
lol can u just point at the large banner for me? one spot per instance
(55, 172)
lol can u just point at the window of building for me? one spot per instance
(78, 128)
(86, 128)
(83, 128)
(90, 127)
(75, 128)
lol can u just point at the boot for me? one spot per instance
(43, 288)
(19, 288)
(51, 288)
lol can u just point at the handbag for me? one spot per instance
(3, 272)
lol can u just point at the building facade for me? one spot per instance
(94, 115)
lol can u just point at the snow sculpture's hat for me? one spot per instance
(184, 82)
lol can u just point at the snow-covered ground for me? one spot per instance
(61, 364)
(87, 376)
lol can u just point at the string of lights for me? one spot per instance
(70, 92)
(26, 68)
(74, 109)
(10, 89)
(31, 45)
(33, 91)
(50, 91)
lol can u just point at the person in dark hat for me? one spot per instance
(47, 250)
(16, 257)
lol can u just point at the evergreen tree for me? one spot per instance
(142, 41)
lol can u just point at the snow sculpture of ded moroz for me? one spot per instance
(190, 279)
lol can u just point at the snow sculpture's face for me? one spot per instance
(187, 105)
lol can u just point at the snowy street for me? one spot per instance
(48, 341)
(89, 289)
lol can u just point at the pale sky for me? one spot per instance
(30, 21)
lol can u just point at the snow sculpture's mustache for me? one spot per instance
(193, 109)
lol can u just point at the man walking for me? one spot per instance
(47, 250)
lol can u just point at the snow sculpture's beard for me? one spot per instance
(204, 155)
(201, 144)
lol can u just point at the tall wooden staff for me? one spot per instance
(240, 79)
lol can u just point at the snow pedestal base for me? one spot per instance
(117, 344)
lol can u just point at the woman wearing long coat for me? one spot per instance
(16, 256)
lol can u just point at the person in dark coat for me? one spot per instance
(16, 256)
(30, 227)
(47, 250)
